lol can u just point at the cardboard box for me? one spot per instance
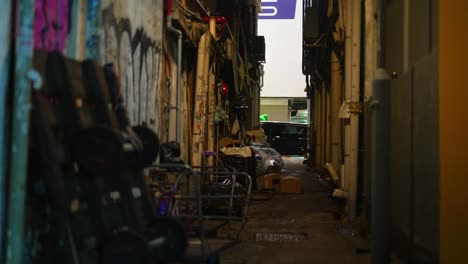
(290, 184)
(269, 181)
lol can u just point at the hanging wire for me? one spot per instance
(186, 11)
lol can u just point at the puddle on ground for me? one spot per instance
(280, 236)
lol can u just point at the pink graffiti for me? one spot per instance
(51, 24)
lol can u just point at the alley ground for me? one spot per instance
(307, 226)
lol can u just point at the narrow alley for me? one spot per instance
(233, 131)
(298, 228)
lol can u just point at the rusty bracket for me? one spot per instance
(355, 107)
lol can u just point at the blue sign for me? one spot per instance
(278, 9)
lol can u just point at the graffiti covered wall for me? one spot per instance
(130, 36)
(51, 24)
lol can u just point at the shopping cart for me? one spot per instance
(190, 195)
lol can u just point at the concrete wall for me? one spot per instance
(131, 35)
(412, 51)
(453, 96)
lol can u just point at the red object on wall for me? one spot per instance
(169, 7)
(220, 23)
(220, 20)
(225, 90)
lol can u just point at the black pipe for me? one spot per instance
(381, 152)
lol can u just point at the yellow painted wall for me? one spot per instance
(453, 131)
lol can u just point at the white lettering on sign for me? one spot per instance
(273, 9)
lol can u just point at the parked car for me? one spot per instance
(287, 138)
(268, 160)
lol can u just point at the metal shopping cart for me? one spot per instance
(200, 196)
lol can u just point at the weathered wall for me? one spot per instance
(51, 24)
(412, 51)
(124, 32)
(453, 126)
(131, 33)
(60, 25)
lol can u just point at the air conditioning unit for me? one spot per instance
(259, 48)
(311, 24)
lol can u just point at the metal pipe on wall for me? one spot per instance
(347, 94)
(212, 26)
(179, 35)
(370, 47)
(380, 172)
(355, 108)
(324, 123)
(20, 132)
(317, 127)
(206, 84)
(5, 59)
(380, 151)
(370, 65)
(335, 126)
(199, 109)
(210, 113)
(198, 96)
(211, 100)
(328, 121)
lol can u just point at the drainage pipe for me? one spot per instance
(380, 172)
(317, 161)
(340, 193)
(20, 132)
(332, 172)
(355, 108)
(212, 25)
(179, 35)
(347, 95)
(380, 152)
(211, 99)
(5, 58)
(335, 127)
(206, 87)
(323, 121)
(343, 182)
(200, 98)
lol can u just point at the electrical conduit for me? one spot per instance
(355, 108)
(179, 35)
(347, 96)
